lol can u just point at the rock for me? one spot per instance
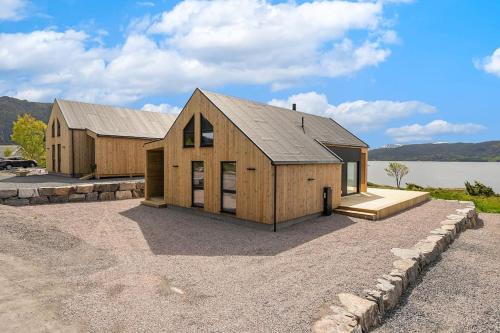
(365, 311)
(140, 185)
(64, 190)
(467, 202)
(16, 202)
(444, 232)
(58, 198)
(121, 195)
(4, 194)
(47, 191)
(24, 193)
(84, 188)
(397, 282)
(92, 196)
(107, 196)
(137, 194)
(128, 186)
(377, 297)
(429, 251)
(452, 229)
(337, 320)
(440, 240)
(106, 187)
(388, 292)
(40, 200)
(76, 197)
(409, 267)
(406, 253)
(402, 275)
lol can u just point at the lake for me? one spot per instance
(439, 174)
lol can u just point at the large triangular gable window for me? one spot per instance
(207, 133)
(189, 134)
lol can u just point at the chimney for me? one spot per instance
(294, 107)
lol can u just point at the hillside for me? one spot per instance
(11, 108)
(474, 152)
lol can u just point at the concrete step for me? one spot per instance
(356, 213)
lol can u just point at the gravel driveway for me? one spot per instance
(118, 266)
(461, 293)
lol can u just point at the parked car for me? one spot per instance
(16, 162)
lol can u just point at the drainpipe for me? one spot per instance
(275, 199)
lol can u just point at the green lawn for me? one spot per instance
(483, 204)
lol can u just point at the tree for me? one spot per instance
(7, 152)
(398, 171)
(29, 133)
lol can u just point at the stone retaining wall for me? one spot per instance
(360, 314)
(72, 193)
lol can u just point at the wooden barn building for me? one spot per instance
(256, 161)
(108, 141)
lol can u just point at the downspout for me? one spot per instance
(72, 154)
(275, 199)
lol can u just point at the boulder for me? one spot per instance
(40, 200)
(366, 311)
(8, 193)
(47, 191)
(337, 320)
(122, 195)
(127, 186)
(137, 194)
(106, 187)
(64, 190)
(84, 188)
(16, 202)
(140, 185)
(409, 267)
(24, 193)
(76, 197)
(107, 196)
(92, 196)
(58, 198)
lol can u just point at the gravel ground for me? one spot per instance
(9, 180)
(119, 266)
(461, 292)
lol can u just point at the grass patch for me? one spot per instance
(483, 204)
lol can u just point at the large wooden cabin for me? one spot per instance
(255, 161)
(108, 141)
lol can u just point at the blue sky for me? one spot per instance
(392, 71)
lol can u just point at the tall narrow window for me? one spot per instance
(54, 158)
(53, 128)
(198, 184)
(58, 128)
(189, 134)
(228, 188)
(352, 178)
(59, 157)
(207, 133)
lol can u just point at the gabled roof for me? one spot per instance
(115, 121)
(278, 131)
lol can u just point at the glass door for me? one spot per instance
(352, 177)
(228, 187)
(198, 184)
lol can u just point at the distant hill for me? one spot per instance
(474, 152)
(11, 108)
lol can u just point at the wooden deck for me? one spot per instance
(378, 203)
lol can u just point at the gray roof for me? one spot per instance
(115, 121)
(278, 131)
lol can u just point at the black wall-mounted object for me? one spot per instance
(251, 169)
(327, 201)
(175, 166)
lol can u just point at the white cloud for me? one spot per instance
(145, 3)
(490, 64)
(36, 94)
(357, 115)
(427, 132)
(12, 10)
(202, 43)
(164, 108)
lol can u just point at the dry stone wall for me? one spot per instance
(360, 314)
(73, 193)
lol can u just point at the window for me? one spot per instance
(54, 158)
(228, 187)
(59, 157)
(198, 183)
(58, 128)
(189, 134)
(53, 128)
(352, 177)
(207, 133)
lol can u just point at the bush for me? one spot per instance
(413, 187)
(479, 189)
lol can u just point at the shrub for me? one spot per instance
(478, 189)
(413, 187)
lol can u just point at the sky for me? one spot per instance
(391, 71)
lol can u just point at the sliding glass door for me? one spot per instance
(198, 184)
(352, 177)
(228, 187)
